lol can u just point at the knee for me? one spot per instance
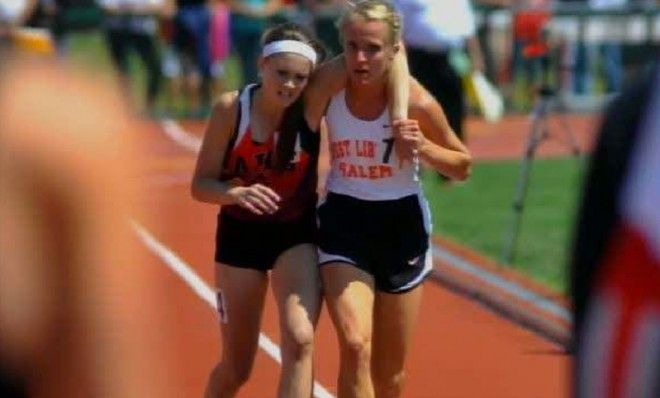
(357, 349)
(299, 342)
(241, 373)
(226, 380)
(389, 385)
(231, 375)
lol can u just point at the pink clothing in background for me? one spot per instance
(219, 36)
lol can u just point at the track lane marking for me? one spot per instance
(206, 293)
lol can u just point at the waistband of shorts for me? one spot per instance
(357, 202)
(268, 220)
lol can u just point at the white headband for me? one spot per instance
(290, 46)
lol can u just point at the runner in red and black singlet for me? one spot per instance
(251, 161)
(258, 161)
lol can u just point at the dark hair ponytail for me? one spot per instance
(293, 119)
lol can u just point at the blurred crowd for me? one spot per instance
(184, 45)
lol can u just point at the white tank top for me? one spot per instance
(363, 161)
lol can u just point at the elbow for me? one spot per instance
(195, 191)
(464, 169)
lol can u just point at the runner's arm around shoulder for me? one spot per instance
(330, 78)
(327, 80)
(206, 185)
(398, 91)
(439, 147)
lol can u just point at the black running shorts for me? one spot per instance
(388, 239)
(257, 245)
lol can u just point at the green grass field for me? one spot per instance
(478, 213)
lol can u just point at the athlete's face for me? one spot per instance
(368, 50)
(284, 76)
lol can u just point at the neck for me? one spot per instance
(375, 92)
(269, 110)
(367, 95)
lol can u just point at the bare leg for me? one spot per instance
(349, 293)
(394, 318)
(243, 291)
(297, 290)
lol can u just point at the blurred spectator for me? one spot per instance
(220, 43)
(180, 86)
(434, 32)
(585, 56)
(192, 27)
(325, 14)
(58, 15)
(249, 19)
(132, 25)
(13, 15)
(291, 11)
(485, 34)
(578, 57)
(188, 91)
(54, 11)
(530, 51)
(616, 255)
(609, 51)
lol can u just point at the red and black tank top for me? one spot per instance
(250, 161)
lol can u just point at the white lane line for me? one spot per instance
(173, 130)
(204, 291)
(184, 138)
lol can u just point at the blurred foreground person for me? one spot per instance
(616, 258)
(70, 323)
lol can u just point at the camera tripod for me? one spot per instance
(547, 100)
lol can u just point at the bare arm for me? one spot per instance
(398, 90)
(423, 102)
(206, 185)
(327, 80)
(398, 94)
(436, 142)
(330, 78)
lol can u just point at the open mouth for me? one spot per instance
(287, 95)
(361, 73)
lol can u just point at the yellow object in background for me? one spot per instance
(484, 95)
(34, 40)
